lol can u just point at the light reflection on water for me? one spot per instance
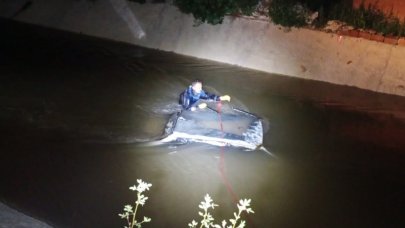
(72, 138)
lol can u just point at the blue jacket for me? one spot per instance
(189, 99)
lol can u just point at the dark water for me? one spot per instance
(73, 110)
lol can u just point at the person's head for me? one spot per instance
(196, 86)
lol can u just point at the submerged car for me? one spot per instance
(218, 124)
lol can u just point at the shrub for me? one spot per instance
(287, 13)
(213, 11)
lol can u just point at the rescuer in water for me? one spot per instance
(189, 98)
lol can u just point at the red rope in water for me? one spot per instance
(222, 166)
(222, 159)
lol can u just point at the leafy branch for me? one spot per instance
(208, 221)
(129, 212)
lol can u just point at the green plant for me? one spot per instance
(373, 16)
(322, 18)
(213, 11)
(401, 30)
(129, 212)
(287, 13)
(292, 13)
(208, 221)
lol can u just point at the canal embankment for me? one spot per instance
(255, 44)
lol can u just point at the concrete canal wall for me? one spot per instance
(255, 44)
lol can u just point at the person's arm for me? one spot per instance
(209, 96)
